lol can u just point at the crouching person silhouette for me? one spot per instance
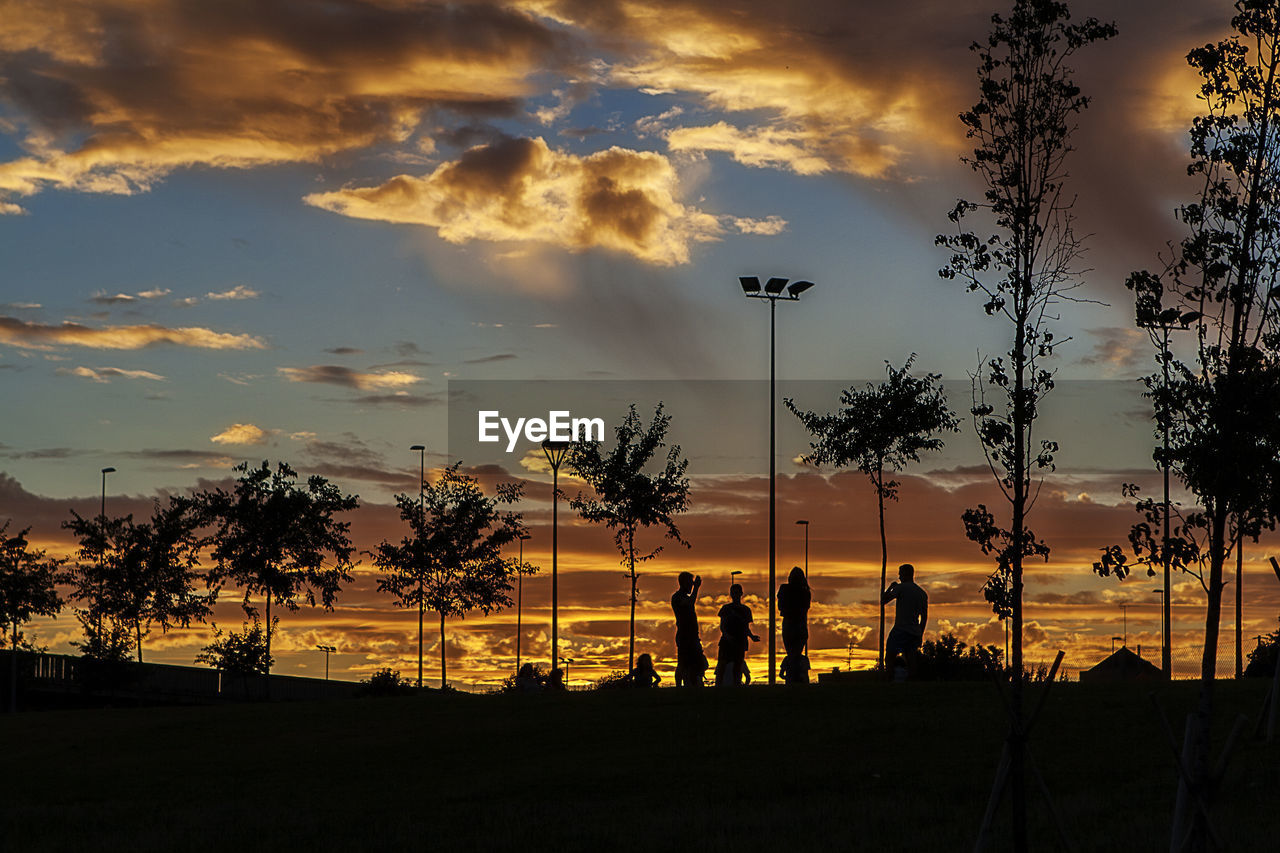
(908, 622)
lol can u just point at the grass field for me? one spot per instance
(857, 767)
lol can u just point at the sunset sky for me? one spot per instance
(279, 229)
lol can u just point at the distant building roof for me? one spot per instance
(1122, 665)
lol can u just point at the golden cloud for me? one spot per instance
(523, 190)
(19, 333)
(333, 374)
(114, 95)
(241, 434)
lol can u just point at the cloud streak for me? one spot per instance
(39, 336)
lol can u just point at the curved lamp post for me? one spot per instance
(773, 292)
(555, 452)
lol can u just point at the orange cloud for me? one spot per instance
(39, 336)
(241, 434)
(523, 190)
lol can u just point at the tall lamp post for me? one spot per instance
(102, 555)
(520, 597)
(555, 452)
(773, 292)
(1159, 325)
(326, 650)
(422, 480)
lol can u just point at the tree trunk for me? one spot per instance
(1239, 600)
(444, 656)
(1197, 757)
(1017, 737)
(266, 678)
(631, 553)
(884, 557)
(137, 629)
(13, 671)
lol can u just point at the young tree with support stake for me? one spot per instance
(1021, 127)
(451, 561)
(1225, 428)
(276, 539)
(879, 430)
(627, 498)
(28, 588)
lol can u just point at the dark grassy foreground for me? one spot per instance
(858, 767)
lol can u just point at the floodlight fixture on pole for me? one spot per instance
(733, 577)
(422, 490)
(326, 650)
(566, 662)
(773, 292)
(555, 451)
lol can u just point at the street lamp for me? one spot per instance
(1159, 325)
(422, 485)
(566, 662)
(773, 291)
(1113, 644)
(102, 555)
(733, 577)
(105, 472)
(326, 650)
(555, 452)
(805, 522)
(520, 596)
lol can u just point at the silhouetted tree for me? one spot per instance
(451, 561)
(28, 588)
(627, 498)
(138, 575)
(1225, 406)
(879, 429)
(1022, 127)
(275, 539)
(243, 652)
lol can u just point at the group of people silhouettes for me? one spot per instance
(794, 599)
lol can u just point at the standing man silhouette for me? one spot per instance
(909, 620)
(735, 636)
(690, 661)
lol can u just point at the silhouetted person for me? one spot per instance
(908, 621)
(644, 675)
(691, 663)
(794, 599)
(527, 680)
(555, 681)
(735, 636)
(795, 669)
